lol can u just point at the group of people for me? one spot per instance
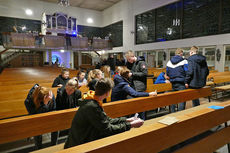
(91, 122)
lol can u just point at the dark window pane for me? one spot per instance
(226, 16)
(201, 18)
(168, 21)
(145, 27)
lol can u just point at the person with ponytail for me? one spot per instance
(40, 100)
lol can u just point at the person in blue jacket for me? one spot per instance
(197, 72)
(40, 100)
(162, 78)
(176, 70)
(122, 89)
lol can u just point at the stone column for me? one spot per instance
(50, 57)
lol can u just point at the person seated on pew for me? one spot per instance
(93, 77)
(61, 79)
(81, 79)
(162, 78)
(68, 96)
(40, 100)
(122, 89)
(91, 122)
(106, 71)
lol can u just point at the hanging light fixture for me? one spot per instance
(63, 2)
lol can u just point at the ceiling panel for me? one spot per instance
(98, 5)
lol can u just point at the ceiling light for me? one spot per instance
(89, 20)
(62, 50)
(63, 2)
(29, 12)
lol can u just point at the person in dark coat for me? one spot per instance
(112, 63)
(61, 79)
(197, 72)
(122, 87)
(40, 100)
(176, 70)
(68, 96)
(91, 122)
(139, 72)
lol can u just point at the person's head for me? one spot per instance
(103, 87)
(193, 50)
(94, 74)
(111, 56)
(65, 73)
(71, 86)
(39, 95)
(125, 72)
(130, 56)
(106, 70)
(179, 52)
(81, 75)
(118, 70)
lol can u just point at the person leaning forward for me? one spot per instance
(90, 121)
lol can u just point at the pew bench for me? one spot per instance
(223, 90)
(27, 126)
(197, 120)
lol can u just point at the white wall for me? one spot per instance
(16, 9)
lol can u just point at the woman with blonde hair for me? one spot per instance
(67, 97)
(40, 100)
(93, 77)
(106, 71)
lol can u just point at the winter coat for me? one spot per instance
(65, 101)
(176, 69)
(160, 78)
(92, 84)
(197, 71)
(31, 108)
(122, 89)
(60, 80)
(91, 123)
(139, 75)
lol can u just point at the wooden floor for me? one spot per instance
(28, 146)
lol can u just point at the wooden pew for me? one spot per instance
(27, 126)
(12, 103)
(159, 87)
(156, 137)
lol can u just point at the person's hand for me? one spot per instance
(137, 123)
(48, 97)
(167, 81)
(153, 93)
(131, 119)
(130, 74)
(186, 85)
(60, 85)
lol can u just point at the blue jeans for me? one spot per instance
(177, 86)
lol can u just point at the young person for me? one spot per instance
(40, 100)
(91, 123)
(197, 72)
(68, 96)
(162, 78)
(122, 89)
(176, 70)
(139, 72)
(61, 79)
(93, 77)
(81, 79)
